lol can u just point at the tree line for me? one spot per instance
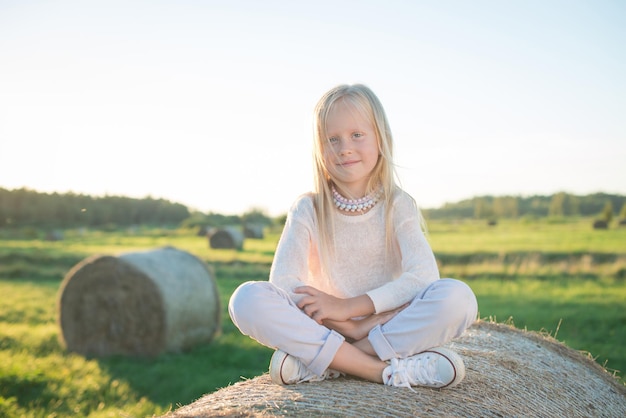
(562, 204)
(25, 207)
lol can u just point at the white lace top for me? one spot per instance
(360, 264)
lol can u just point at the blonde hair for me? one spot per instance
(364, 101)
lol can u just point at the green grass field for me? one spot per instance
(561, 278)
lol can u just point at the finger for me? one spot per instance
(317, 317)
(307, 300)
(304, 290)
(311, 311)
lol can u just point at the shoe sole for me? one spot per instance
(276, 367)
(456, 362)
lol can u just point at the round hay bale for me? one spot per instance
(226, 238)
(600, 224)
(509, 373)
(253, 231)
(138, 304)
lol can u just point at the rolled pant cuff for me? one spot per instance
(327, 353)
(380, 344)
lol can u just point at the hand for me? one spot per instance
(320, 306)
(357, 329)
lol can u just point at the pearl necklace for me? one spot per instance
(356, 205)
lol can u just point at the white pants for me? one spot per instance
(439, 313)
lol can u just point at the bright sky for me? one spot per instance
(209, 103)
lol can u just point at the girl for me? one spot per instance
(354, 287)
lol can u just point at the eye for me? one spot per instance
(357, 135)
(333, 139)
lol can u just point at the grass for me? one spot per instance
(562, 278)
(586, 314)
(565, 236)
(39, 378)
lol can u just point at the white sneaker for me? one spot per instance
(435, 368)
(288, 370)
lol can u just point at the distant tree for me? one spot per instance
(607, 212)
(280, 220)
(256, 216)
(540, 205)
(195, 220)
(458, 210)
(592, 204)
(24, 207)
(571, 205)
(483, 208)
(564, 204)
(5, 212)
(622, 212)
(505, 207)
(557, 205)
(217, 220)
(499, 207)
(513, 207)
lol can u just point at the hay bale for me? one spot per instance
(509, 373)
(600, 224)
(138, 304)
(55, 235)
(226, 238)
(253, 231)
(203, 231)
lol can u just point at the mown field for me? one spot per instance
(562, 278)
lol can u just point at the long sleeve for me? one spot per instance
(417, 261)
(291, 264)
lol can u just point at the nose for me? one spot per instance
(345, 148)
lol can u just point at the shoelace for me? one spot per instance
(305, 375)
(412, 371)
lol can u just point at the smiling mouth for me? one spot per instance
(348, 163)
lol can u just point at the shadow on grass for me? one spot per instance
(174, 379)
(171, 380)
(37, 263)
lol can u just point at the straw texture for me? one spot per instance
(509, 373)
(140, 304)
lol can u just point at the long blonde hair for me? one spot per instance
(363, 100)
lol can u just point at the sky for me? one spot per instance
(210, 103)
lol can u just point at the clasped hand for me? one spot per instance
(320, 306)
(337, 314)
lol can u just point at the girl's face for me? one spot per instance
(351, 148)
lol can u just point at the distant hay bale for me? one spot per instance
(203, 231)
(226, 238)
(138, 304)
(55, 235)
(253, 231)
(509, 373)
(600, 224)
